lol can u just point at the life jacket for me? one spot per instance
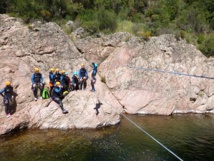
(51, 77)
(57, 77)
(82, 72)
(63, 79)
(8, 91)
(37, 77)
(94, 71)
(57, 94)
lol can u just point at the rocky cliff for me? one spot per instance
(140, 76)
(160, 76)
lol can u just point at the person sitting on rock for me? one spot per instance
(57, 96)
(83, 76)
(93, 76)
(7, 93)
(75, 81)
(37, 82)
(51, 80)
(57, 76)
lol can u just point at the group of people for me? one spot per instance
(60, 85)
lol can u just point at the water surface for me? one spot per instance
(191, 137)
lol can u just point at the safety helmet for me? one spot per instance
(56, 70)
(63, 71)
(7, 83)
(36, 69)
(52, 69)
(66, 73)
(57, 83)
(75, 73)
(96, 65)
(82, 65)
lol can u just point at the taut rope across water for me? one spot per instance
(145, 132)
(169, 72)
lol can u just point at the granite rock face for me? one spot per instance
(161, 76)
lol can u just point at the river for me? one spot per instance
(189, 136)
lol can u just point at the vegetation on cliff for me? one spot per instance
(189, 19)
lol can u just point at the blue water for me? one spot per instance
(191, 137)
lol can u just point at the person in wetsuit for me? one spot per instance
(7, 94)
(83, 76)
(58, 96)
(37, 82)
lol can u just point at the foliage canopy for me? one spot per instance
(192, 20)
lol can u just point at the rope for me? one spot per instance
(145, 132)
(170, 72)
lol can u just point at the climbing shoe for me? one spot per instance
(8, 115)
(64, 111)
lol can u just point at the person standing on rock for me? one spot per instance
(75, 81)
(83, 76)
(93, 76)
(7, 93)
(67, 82)
(37, 82)
(57, 96)
(51, 80)
(62, 79)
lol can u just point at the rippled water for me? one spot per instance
(191, 137)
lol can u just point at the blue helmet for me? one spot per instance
(75, 73)
(66, 73)
(96, 65)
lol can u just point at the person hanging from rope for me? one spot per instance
(57, 76)
(83, 76)
(51, 80)
(8, 95)
(37, 82)
(93, 76)
(58, 96)
(75, 81)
